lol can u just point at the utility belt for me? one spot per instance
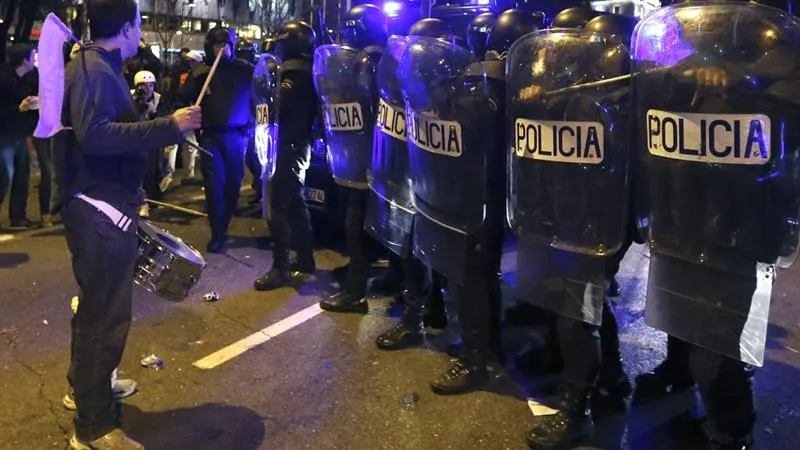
(119, 219)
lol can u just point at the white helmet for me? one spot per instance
(144, 76)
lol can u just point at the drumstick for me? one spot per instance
(178, 208)
(191, 144)
(208, 78)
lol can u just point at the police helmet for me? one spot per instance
(615, 24)
(431, 27)
(510, 26)
(219, 35)
(365, 25)
(575, 17)
(246, 50)
(296, 40)
(478, 33)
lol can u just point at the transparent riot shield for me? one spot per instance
(390, 210)
(716, 106)
(451, 129)
(342, 77)
(266, 86)
(568, 114)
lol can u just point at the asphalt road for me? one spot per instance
(322, 384)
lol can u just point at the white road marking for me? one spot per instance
(237, 348)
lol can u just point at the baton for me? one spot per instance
(177, 208)
(208, 79)
(193, 145)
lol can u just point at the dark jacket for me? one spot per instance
(13, 90)
(228, 105)
(106, 155)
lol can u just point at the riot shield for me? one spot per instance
(568, 114)
(342, 78)
(390, 208)
(266, 86)
(716, 106)
(450, 132)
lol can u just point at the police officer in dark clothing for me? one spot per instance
(365, 29)
(478, 32)
(17, 120)
(290, 223)
(228, 122)
(566, 274)
(715, 250)
(246, 50)
(100, 175)
(575, 17)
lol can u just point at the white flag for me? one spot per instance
(51, 76)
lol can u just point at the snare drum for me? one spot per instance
(167, 266)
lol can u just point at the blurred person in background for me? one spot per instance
(17, 120)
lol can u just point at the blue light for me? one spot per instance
(392, 8)
(482, 2)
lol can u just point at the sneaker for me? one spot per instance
(165, 183)
(116, 439)
(47, 222)
(122, 388)
(21, 224)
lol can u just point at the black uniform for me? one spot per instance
(365, 29)
(290, 223)
(104, 161)
(717, 248)
(228, 122)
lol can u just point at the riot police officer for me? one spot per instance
(565, 234)
(458, 229)
(350, 104)
(228, 121)
(391, 210)
(575, 17)
(289, 221)
(717, 220)
(246, 50)
(478, 33)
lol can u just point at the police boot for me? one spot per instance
(407, 333)
(567, 428)
(217, 244)
(665, 379)
(344, 302)
(274, 279)
(467, 373)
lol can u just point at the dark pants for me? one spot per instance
(45, 151)
(254, 166)
(359, 244)
(290, 222)
(585, 347)
(15, 174)
(725, 386)
(222, 177)
(479, 299)
(152, 177)
(103, 261)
